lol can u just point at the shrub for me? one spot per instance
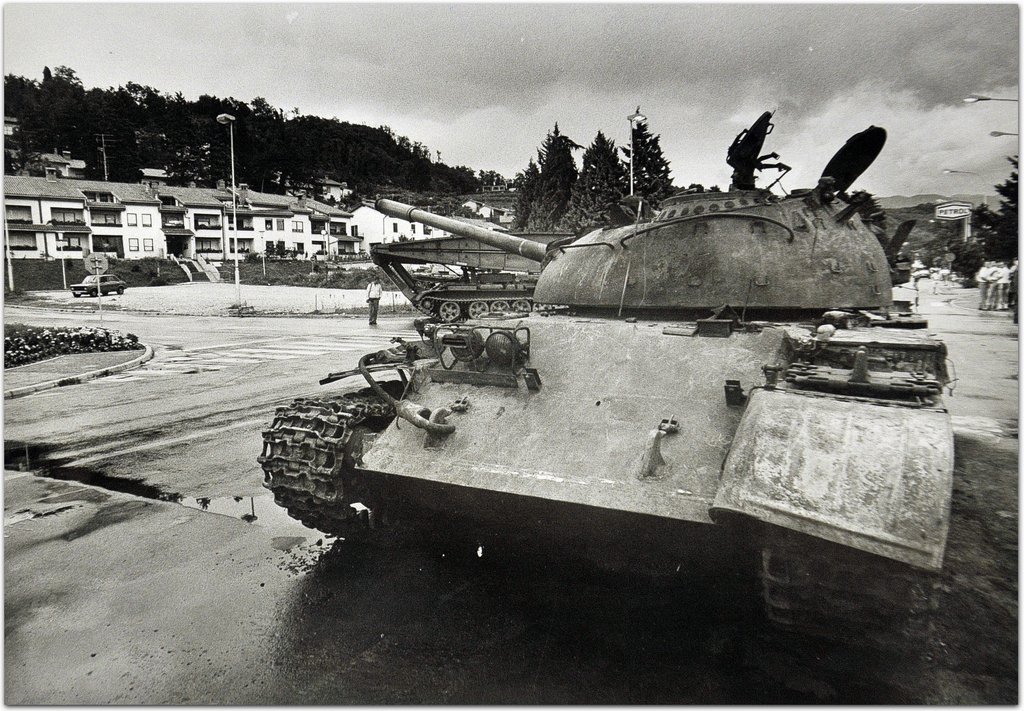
(27, 344)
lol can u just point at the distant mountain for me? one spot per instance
(901, 201)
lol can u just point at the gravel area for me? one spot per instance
(207, 299)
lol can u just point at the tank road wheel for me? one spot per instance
(307, 448)
(499, 307)
(522, 306)
(478, 309)
(427, 306)
(818, 589)
(449, 311)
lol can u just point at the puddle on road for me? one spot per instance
(259, 511)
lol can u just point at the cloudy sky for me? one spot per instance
(483, 83)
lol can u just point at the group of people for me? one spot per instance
(997, 284)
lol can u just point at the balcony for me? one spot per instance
(173, 224)
(64, 222)
(208, 226)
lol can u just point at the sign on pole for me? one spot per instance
(953, 210)
(96, 263)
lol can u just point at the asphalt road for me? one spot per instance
(124, 589)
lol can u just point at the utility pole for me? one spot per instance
(103, 150)
(10, 265)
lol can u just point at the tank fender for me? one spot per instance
(873, 477)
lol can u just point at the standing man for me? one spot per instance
(982, 277)
(373, 292)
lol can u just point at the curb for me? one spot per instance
(75, 379)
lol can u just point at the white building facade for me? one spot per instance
(58, 218)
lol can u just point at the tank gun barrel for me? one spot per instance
(508, 243)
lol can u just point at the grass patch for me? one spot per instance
(37, 274)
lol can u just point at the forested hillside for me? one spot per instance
(140, 127)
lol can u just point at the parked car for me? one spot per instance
(102, 282)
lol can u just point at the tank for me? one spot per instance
(455, 278)
(722, 382)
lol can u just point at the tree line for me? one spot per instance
(552, 194)
(137, 127)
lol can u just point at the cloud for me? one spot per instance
(483, 83)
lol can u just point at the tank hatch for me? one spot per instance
(856, 155)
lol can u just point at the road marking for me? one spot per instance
(219, 357)
(223, 356)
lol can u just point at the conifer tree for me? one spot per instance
(998, 231)
(651, 173)
(602, 182)
(557, 176)
(527, 184)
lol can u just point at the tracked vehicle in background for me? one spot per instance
(728, 376)
(467, 278)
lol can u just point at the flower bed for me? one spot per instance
(28, 344)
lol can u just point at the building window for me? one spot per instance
(66, 217)
(99, 197)
(208, 222)
(106, 218)
(207, 246)
(104, 243)
(339, 229)
(268, 225)
(296, 226)
(427, 229)
(133, 244)
(20, 242)
(355, 230)
(147, 245)
(300, 248)
(19, 214)
(133, 219)
(394, 227)
(69, 243)
(280, 225)
(414, 229)
(147, 220)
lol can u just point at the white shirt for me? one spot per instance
(373, 291)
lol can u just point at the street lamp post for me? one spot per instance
(229, 121)
(996, 134)
(327, 242)
(975, 98)
(633, 118)
(263, 254)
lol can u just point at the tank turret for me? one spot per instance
(748, 248)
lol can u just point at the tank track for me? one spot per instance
(818, 589)
(463, 301)
(306, 449)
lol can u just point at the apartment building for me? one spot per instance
(57, 218)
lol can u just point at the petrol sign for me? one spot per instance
(953, 210)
